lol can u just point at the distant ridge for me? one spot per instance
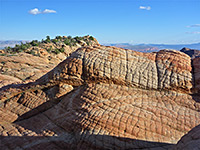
(154, 47)
(10, 43)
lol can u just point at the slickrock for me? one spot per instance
(6, 79)
(103, 98)
(28, 62)
(21, 67)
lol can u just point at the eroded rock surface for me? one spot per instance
(103, 98)
(23, 66)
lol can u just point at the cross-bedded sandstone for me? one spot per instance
(104, 98)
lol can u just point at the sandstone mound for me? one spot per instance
(29, 61)
(103, 98)
(23, 67)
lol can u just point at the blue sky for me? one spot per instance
(110, 21)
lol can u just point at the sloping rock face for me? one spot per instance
(103, 98)
(193, 53)
(35, 61)
(23, 67)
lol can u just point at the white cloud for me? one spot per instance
(36, 11)
(194, 25)
(46, 11)
(145, 7)
(194, 32)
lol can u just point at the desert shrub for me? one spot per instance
(91, 38)
(67, 41)
(69, 37)
(59, 37)
(78, 38)
(32, 52)
(48, 50)
(8, 48)
(34, 43)
(20, 50)
(57, 51)
(16, 46)
(23, 46)
(54, 41)
(48, 40)
(62, 50)
(48, 37)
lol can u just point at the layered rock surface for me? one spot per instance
(22, 66)
(103, 98)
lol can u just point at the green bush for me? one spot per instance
(59, 37)
(69, 37)
(8, 48)
(54, 41)
(32, 52)
(48, 50)
(67, 41)
(62, 50)
(48, 37)
(16, 45)
(34, 43)
(23, 47)
(57, 51)
(48, 40)
(19, 50)
(78, 38)
(91, 38)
